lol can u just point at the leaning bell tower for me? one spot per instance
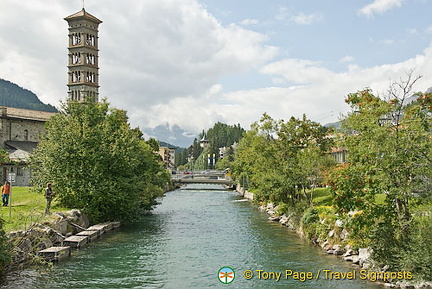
(83, 52)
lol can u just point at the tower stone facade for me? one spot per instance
(83, 65)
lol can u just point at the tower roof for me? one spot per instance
(83, 14)
(204, 138)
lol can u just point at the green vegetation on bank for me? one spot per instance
(381, 198)
(98, 163)
(28, 207)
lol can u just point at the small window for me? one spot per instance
(26, 135)
(19, 172)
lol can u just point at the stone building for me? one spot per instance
(20, 130)
(83, 52)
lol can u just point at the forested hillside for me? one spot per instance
(220, 135)
(13, 95)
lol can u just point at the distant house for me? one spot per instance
(168, 157)
(20, 130)
(223, 152)
(339, 155)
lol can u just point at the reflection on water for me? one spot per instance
(184, 243)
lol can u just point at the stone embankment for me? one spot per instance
(52, 240)
(361, 257)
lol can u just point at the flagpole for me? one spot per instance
(11, 178)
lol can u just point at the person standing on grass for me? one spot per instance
(5, 193)
(49, 195)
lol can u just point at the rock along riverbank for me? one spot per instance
(53, 240)
(360, 258)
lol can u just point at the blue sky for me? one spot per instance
(192, 63)
(335, 33)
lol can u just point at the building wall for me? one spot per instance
(22, 174)
(340, 155)
(20, 130)
(20, 125)
(168, 157)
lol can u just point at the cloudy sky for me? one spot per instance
(192, 63)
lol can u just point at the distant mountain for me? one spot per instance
(336, 125)
(13, 95)
(172, 135)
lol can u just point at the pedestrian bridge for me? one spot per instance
(201, 181)
(215, 178)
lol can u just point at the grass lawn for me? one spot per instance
(28, 207)
(322, 197)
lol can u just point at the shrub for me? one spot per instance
(418, 256)
(5, 256)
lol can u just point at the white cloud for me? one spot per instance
(412, 31)
(163, 60)
(304, 19)
(282, 14)
(299, 71)
(380, 7)
(247, 22)
(300, 18)
(347, 58)
(150, 51)
(175, 49)
(304, 87)
(388, 41)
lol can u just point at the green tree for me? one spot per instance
(389, 145)
(255, 159)
(303, 146)
(282, 159)
(98, 163)
(181, 157)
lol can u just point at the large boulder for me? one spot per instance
(344, 235)
(338, 250)
(270, 206)
(77, 217)
(365, 257)
(262, 208)
(284, 219)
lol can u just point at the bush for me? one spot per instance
(283, 209)
(310, 216)
(418, 256)
(5, 246)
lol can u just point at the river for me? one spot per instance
(184, 243)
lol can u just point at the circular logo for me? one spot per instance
(226, 275)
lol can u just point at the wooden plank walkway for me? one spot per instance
(92, 235)
(55, 254)
(76, 241)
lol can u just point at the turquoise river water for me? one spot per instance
(184, 243)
